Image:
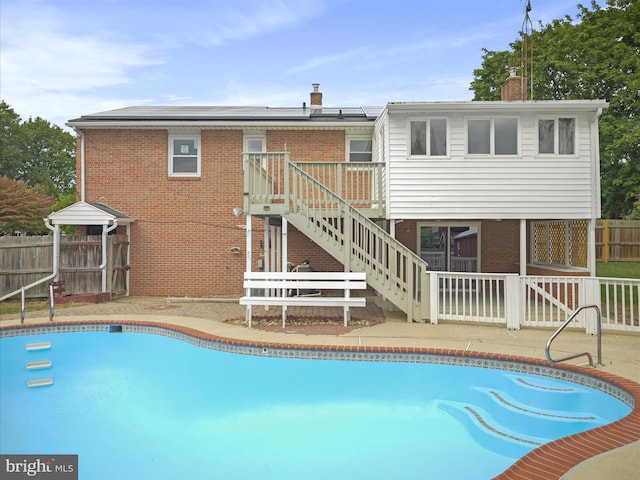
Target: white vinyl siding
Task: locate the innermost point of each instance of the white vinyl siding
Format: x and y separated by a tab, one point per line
490	186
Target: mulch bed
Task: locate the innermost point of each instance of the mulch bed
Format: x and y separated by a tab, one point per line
307	325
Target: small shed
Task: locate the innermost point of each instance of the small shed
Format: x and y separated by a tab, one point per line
92	214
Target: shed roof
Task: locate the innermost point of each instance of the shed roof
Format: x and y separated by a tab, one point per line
84	213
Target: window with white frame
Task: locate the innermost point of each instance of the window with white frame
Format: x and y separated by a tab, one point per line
428	137
557	136
255	143
492	136
359	149
184	155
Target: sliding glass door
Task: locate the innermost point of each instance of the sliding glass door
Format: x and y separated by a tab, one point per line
450	248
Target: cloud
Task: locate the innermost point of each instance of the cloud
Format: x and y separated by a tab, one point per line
39	53
45	62
218	23
323	61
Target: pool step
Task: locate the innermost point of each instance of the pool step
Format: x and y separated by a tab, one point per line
34	347
43	382
39	365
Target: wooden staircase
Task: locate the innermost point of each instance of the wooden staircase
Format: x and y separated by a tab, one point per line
339	226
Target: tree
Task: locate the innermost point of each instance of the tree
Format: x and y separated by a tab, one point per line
36	152
22	208
48	157
10	141
596	57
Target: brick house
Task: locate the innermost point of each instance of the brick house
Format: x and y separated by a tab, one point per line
515	182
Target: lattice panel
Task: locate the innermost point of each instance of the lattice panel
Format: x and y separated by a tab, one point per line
540	250
557	237
578	238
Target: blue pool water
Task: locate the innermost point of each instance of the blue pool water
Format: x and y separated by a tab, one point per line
141	406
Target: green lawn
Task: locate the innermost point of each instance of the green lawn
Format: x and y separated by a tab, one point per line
14	306
618	269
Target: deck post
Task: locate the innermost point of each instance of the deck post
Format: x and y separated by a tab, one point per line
512	299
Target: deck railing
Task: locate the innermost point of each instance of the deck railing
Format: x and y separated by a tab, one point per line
535	301
360	184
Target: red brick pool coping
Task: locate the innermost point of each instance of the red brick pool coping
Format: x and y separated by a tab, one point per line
547	462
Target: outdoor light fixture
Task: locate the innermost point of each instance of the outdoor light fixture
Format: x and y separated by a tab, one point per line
237	211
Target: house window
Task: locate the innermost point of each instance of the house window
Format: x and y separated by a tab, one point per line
492	136
428	137
557	136
359	149
184	156
255	143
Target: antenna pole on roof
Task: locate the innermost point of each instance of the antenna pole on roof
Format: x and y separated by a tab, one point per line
526	52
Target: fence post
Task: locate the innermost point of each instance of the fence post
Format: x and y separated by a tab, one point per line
512	299
425	292
605	241
434	299
589	294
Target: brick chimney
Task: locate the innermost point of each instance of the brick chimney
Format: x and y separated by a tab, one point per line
316	96
514	88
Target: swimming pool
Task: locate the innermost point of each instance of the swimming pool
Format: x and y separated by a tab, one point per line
204	413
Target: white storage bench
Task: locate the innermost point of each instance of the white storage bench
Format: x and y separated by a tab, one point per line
275	288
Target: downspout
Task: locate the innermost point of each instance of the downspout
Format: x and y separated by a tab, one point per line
103	265
82	164
56	259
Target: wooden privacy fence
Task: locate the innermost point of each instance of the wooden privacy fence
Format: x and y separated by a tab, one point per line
24	260
617	240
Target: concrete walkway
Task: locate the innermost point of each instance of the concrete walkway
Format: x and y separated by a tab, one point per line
620	351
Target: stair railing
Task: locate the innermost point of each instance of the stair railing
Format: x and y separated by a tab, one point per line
576	355
392	268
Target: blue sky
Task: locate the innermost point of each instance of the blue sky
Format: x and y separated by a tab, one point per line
64	58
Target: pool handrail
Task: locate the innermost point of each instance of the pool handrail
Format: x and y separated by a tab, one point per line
576	355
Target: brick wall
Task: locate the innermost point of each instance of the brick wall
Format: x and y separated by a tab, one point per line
185	228
500	244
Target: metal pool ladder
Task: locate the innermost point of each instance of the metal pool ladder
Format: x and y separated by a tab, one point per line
576	355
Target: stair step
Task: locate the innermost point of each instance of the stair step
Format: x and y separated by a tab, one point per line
43	382
33	347
39	365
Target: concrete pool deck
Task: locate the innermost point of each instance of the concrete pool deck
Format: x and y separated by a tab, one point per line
620	351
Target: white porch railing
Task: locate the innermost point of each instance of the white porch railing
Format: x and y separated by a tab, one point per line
536	301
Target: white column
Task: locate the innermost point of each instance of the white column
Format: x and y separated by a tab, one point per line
285	228
591	247
248	245
266	257
523	246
